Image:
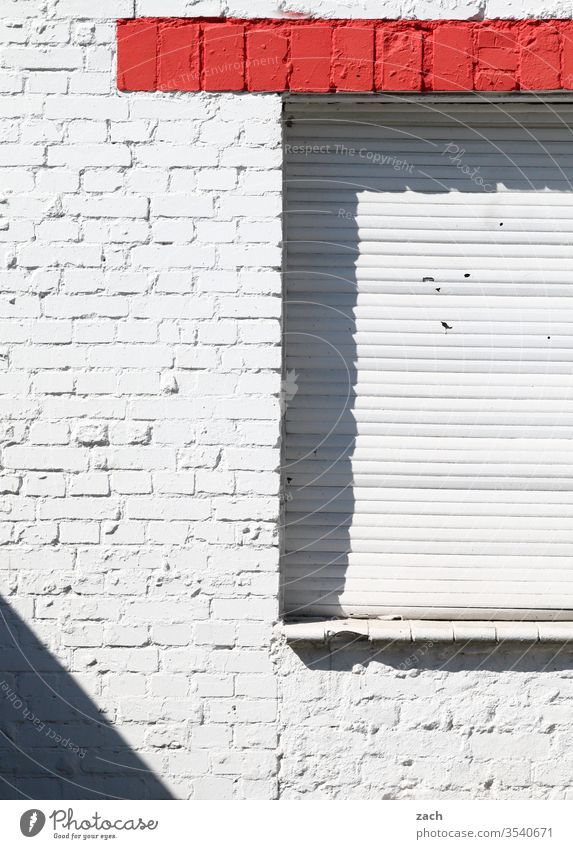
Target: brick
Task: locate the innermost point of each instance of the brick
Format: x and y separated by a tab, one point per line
168	533
90	108
27	106
107	206
132	433
53	383
253	509
512	745
79	508
171	635
250	764
92	434
167	508
252	458
267	50
174	483
497	60
123	533
498	48
213	788
242	662
79	533
86	634
130	356
81	156
49	433
135	458
117	660
495	80
13	83
175	205
172	610
34	58
221	634
311	47
452	60
240	609
540	62
128	684
211	736
10	484
256	710
16	154
95	483
398	58
104	8
566	28
54	459
215	482
136	55
253	737
223	57
178	56
174	256
215	685
189	763
353	58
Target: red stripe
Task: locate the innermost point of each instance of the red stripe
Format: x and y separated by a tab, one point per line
189	54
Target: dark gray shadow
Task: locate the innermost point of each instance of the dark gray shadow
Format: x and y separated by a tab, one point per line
319	428
55	743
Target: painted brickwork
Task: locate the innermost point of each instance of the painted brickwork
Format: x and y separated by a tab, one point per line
340	56
139	345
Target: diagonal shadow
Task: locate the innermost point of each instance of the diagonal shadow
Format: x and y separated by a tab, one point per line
54	740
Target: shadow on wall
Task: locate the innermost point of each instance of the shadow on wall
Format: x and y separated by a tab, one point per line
54	741
384	215
345	655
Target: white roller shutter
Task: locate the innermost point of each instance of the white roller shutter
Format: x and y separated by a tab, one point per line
428	451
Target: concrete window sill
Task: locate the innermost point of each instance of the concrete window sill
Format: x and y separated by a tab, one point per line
416	631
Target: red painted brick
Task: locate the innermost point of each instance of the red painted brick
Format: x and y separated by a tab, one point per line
224	57
497	59
497	49
398	59
310	57
267	51
353	58
179	59
567	54
495	81
137	54
539	68
328	55
452	60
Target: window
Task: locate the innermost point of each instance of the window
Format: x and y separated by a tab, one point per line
428	449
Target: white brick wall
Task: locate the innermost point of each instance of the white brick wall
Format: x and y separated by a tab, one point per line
140	307
139	382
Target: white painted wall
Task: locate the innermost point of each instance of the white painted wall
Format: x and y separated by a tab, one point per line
139	342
